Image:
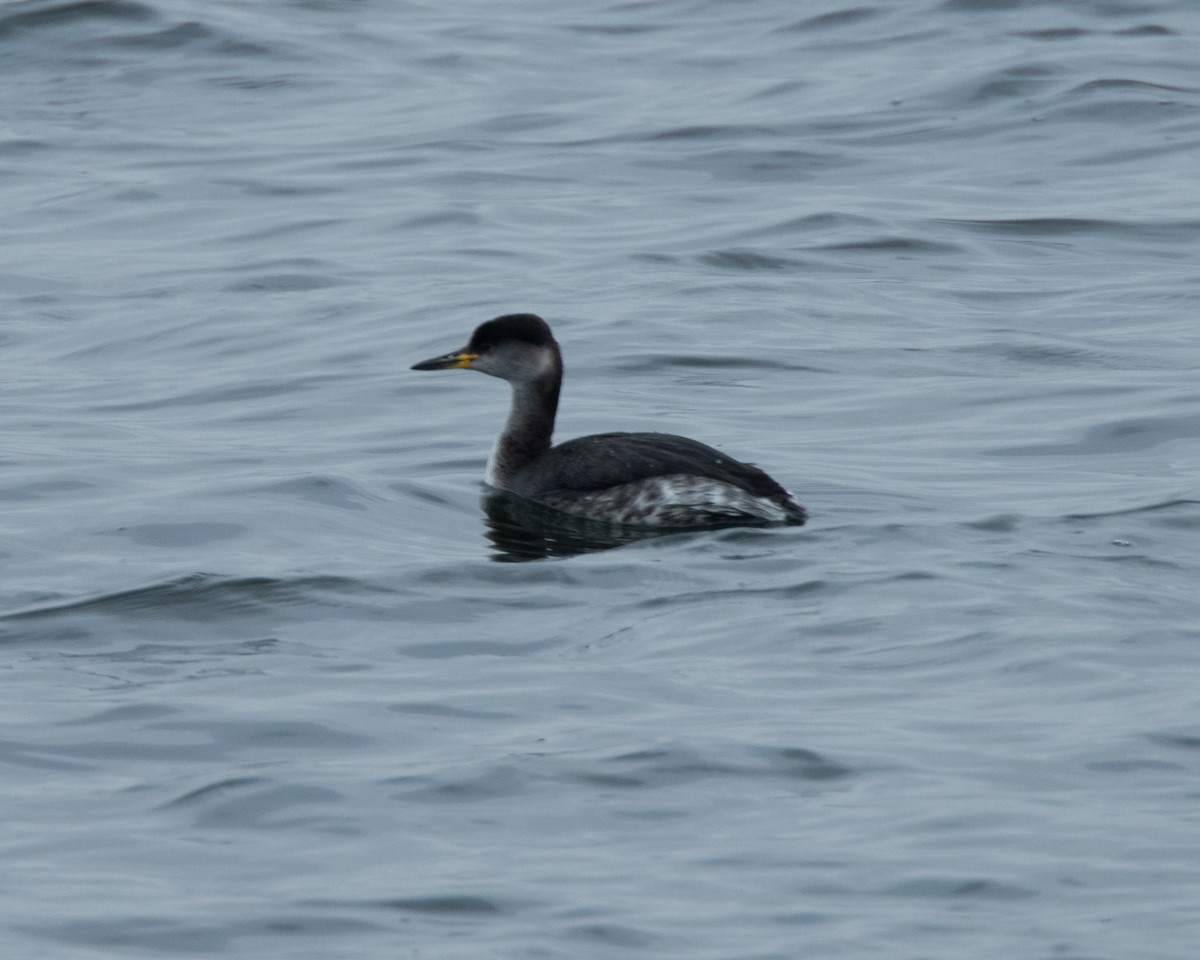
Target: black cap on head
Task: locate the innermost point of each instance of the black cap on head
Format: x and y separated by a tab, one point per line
526	327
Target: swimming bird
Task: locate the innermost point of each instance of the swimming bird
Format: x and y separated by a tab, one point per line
637	479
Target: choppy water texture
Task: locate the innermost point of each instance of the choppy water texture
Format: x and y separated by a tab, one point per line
277	684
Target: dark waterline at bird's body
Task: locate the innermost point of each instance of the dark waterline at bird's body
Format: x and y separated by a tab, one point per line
638	479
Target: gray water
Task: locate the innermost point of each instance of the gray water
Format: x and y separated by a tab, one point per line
277	686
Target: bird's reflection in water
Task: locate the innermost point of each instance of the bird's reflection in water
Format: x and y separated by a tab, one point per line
521	530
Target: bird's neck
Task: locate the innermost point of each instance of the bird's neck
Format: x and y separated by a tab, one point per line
526	434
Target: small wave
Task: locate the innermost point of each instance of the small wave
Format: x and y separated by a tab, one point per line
1119	437
1130	84
1129	511
195	596
442	905
837	18
105	24
285	283
894	245
1043	227
723	132
749	261
72	15
958	889
673	764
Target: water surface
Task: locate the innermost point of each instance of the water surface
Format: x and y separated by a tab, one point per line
278	686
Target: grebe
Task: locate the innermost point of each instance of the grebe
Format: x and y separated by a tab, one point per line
638	479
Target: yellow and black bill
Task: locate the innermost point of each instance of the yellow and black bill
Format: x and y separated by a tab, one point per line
459	360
